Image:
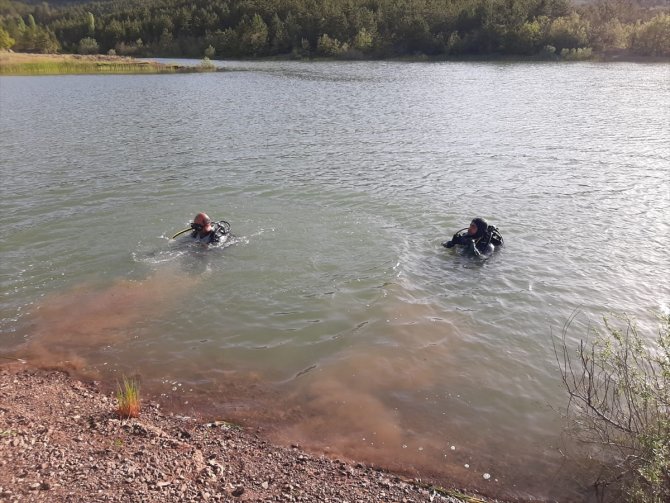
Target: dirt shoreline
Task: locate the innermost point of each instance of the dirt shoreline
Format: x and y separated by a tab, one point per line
61	441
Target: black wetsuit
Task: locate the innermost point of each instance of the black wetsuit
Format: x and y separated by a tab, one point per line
476	246
213	237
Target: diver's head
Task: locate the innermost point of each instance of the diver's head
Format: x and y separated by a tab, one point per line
202	223
477	227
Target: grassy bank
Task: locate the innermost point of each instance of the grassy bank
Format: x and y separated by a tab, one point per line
72	64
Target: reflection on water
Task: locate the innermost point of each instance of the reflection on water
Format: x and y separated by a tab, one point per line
335	318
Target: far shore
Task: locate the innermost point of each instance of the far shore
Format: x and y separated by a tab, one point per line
14	63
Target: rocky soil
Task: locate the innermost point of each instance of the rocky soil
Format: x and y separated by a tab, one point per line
60	440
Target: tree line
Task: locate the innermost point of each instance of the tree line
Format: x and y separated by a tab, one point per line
336	28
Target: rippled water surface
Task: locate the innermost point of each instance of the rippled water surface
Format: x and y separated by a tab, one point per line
334	318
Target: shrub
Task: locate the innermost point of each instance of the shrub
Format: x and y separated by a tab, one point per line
653	37
210	51
578	54
619	402
5	40
128	398
206	64
328	46
569	32
88	45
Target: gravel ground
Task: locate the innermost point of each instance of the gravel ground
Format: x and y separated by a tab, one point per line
61	441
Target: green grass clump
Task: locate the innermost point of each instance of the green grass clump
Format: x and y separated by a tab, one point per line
128	398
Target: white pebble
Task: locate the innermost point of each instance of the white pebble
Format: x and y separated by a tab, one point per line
486	476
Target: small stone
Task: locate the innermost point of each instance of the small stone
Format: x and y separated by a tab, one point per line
238	491
486	476
265	485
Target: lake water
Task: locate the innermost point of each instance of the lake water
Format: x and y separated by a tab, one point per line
334	319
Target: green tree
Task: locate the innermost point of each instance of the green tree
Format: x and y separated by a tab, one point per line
653	37
279	36
166	43
327	46
363	40
182	22
90	24
294	29
569	32
46	42
21	26
225	42
527	38
42	13
610	34
253	36
454	44
6	42
112	33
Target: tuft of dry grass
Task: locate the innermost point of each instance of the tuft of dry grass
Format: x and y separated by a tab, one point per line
128	398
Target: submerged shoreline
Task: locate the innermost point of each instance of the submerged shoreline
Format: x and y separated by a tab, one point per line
60	440
75	64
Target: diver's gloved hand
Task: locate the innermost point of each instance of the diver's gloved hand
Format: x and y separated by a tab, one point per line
448	244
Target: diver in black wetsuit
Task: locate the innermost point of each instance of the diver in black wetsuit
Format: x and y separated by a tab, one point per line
480	239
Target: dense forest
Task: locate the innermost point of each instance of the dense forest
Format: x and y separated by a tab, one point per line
352	29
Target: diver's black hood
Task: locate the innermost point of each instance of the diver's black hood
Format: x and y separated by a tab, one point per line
482	226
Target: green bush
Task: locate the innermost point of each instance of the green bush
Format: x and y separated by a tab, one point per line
619	403
653	37
569	32
88	45
6	41
210	51
328	46
578	54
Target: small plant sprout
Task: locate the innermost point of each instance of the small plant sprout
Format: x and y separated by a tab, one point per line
128	398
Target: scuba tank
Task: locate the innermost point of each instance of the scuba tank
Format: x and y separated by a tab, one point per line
493	236
222	228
